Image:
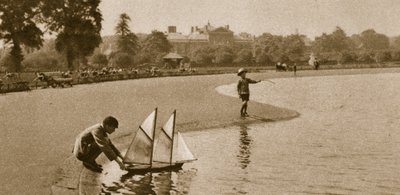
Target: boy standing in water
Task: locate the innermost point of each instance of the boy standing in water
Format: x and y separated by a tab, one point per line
243	90
93	141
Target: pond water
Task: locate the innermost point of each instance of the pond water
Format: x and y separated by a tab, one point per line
346	141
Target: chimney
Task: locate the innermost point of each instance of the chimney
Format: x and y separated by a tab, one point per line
171	29
192	29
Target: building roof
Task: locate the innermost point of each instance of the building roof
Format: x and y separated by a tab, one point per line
198	36
240	38
172	56
176	36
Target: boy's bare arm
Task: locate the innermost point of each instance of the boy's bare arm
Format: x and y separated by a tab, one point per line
253	81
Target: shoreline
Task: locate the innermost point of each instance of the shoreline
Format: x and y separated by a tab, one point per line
212	110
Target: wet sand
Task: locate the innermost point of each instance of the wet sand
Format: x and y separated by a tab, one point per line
39	127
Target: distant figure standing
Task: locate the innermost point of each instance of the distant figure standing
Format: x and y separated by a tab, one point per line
294	69
243	90
316	64
93	141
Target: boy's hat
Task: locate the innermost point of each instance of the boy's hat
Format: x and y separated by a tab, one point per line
240	71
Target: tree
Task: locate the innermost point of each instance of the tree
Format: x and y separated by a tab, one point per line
203	55
78	23
356	42
294	47
347	56
396	43
122	60
223	55
382	56
262	58
6	62
155	46
374	41
127	41
244	56
99	60
18	26
335	44
274	48
270	45
395	55
366	56
337	41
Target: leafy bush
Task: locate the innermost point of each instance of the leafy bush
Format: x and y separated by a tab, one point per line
365	56
122	60
42	61
99	60
203	55
6	63
382	56
347	57
263	59
224	58
244	56
395	55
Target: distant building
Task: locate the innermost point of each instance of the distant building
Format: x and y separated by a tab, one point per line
207	35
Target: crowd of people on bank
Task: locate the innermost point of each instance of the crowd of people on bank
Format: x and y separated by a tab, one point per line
284	67
88	72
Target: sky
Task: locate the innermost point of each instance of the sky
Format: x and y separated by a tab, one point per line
279	17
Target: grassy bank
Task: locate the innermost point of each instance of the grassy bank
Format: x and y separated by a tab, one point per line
25	80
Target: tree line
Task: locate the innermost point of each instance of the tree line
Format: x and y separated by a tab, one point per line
76	26
330	48
367	47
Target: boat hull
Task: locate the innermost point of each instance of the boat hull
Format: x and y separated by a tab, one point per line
155	167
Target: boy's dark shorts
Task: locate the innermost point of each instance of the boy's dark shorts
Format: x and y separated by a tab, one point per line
245	97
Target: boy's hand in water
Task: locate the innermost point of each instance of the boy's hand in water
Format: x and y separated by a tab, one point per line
121	164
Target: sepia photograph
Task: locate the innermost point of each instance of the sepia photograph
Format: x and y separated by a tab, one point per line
199	97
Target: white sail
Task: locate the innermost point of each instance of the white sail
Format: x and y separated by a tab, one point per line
148	124
154	149
169	126
163	144
140	150
181	151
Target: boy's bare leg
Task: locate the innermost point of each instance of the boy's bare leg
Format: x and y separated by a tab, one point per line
243	110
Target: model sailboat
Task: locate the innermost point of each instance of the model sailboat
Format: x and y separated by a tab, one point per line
149	152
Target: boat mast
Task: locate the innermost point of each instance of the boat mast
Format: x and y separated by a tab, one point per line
173	133
152	143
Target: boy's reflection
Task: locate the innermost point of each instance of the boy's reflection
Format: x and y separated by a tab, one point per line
142	184
244	147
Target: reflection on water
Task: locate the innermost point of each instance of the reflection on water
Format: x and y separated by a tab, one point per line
244	147
166	182
346	141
